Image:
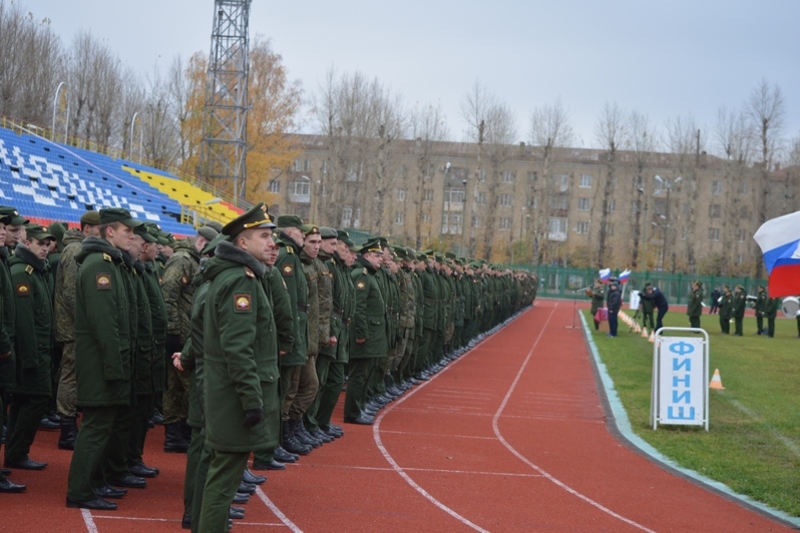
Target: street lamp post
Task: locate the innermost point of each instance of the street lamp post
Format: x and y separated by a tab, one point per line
141	136
55	107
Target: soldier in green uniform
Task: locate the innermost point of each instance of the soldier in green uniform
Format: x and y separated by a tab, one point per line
771	311
178	290
103	343
760	308
30	276
369	331
694	308
291	269
726	310
407	322
739	306
240	362
598	295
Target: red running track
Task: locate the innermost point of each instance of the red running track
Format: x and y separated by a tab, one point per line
510	437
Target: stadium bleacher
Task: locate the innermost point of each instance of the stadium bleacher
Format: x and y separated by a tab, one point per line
48	181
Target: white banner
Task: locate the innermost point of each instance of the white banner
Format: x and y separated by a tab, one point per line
634	300
681	381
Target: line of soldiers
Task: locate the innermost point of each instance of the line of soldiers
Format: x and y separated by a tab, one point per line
732	306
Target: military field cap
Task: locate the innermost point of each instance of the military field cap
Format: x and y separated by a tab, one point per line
154	230
698	283
118	214
144	232
215	224
400	252
373	245
212	244
411	253
310	229
439	257
427	252
253	218
353	247
35	231
347	240
740	287
5	219
328	233
91	217
342	234
382	240
57	230
208	232
169	237
289	221
422	256
450	255
396	258
15	219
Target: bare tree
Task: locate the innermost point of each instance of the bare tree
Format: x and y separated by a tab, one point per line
549	129
427	127
643	143
767	113
610	132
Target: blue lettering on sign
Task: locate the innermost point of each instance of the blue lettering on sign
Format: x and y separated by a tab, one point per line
678	364
685	397
681	348
686	380
681	413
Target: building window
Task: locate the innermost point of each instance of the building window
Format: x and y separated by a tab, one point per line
481	198
325	166
302	165
582	228
476	222
612	206
740	259
482	174
455	196
451	224
301	187
505	200
713	234
505	223
274	186
659	187
583	204
400	195
609	229
507	176
683	233
427	195
347	216
716	187
357	221
426	218
399	218
741	235
558	229
743	187
586	180
559	202
533	175
714	211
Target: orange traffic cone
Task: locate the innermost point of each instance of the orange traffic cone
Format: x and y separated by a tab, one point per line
637	328
644	333
652	337
716	381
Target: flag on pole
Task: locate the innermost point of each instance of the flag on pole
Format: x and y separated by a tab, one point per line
779	239
624	275
605	274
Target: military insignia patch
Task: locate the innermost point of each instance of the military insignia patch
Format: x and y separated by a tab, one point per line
23	289
103	281
241	303
288	270
107	257
185	279
248	272
360	285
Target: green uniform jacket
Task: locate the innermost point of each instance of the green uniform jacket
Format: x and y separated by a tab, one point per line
291	269
430	290
275	288
392	298
338	302
34	310
598	300
143	358
312	314
241	353
739	304
419	307
66	277
726	307
192	353
158	317
325	295
346	306
103	335
370	312
694	308
408	300
761	303
771	307
9	318
177	287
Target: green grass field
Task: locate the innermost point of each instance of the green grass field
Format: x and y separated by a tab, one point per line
753	442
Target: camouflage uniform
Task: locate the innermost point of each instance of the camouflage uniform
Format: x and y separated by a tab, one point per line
308	381
324	353
407	322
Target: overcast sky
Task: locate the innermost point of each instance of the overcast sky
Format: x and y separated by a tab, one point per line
662	59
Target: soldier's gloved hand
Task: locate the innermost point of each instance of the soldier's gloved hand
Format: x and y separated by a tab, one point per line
252	417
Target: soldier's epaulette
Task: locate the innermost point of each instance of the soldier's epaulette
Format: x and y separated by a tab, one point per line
107	257
249	273
29	270
364	271
289	250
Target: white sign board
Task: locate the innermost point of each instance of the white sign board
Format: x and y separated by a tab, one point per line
680	379
634	300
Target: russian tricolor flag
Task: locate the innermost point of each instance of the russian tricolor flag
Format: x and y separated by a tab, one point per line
605	274
779	240
624	275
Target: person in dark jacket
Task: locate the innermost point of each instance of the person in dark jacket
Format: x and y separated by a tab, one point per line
694	309
715	296
613	302
660	301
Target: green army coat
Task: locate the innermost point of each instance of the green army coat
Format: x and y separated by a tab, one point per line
325	295
241	353
726	307
445	316
346	308
66	277
143	358
430	290
694	308
369	318
9	317
599	297
312	315
281	308
761	303
771	307
392	297
338	302
34	322
739	304
158	318
177	287
408	301
103	336
192	353
291	269
419	307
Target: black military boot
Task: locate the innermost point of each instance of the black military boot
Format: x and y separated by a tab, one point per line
69	431
173	440
290	443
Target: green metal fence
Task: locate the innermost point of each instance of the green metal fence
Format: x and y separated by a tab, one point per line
557	282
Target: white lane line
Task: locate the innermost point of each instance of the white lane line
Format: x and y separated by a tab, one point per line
418	434
528	462
427	470
91	527
376	434
274	508
137	518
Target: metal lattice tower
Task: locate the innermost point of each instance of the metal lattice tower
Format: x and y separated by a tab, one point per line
223	151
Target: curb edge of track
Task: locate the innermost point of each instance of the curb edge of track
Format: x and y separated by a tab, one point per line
619	425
